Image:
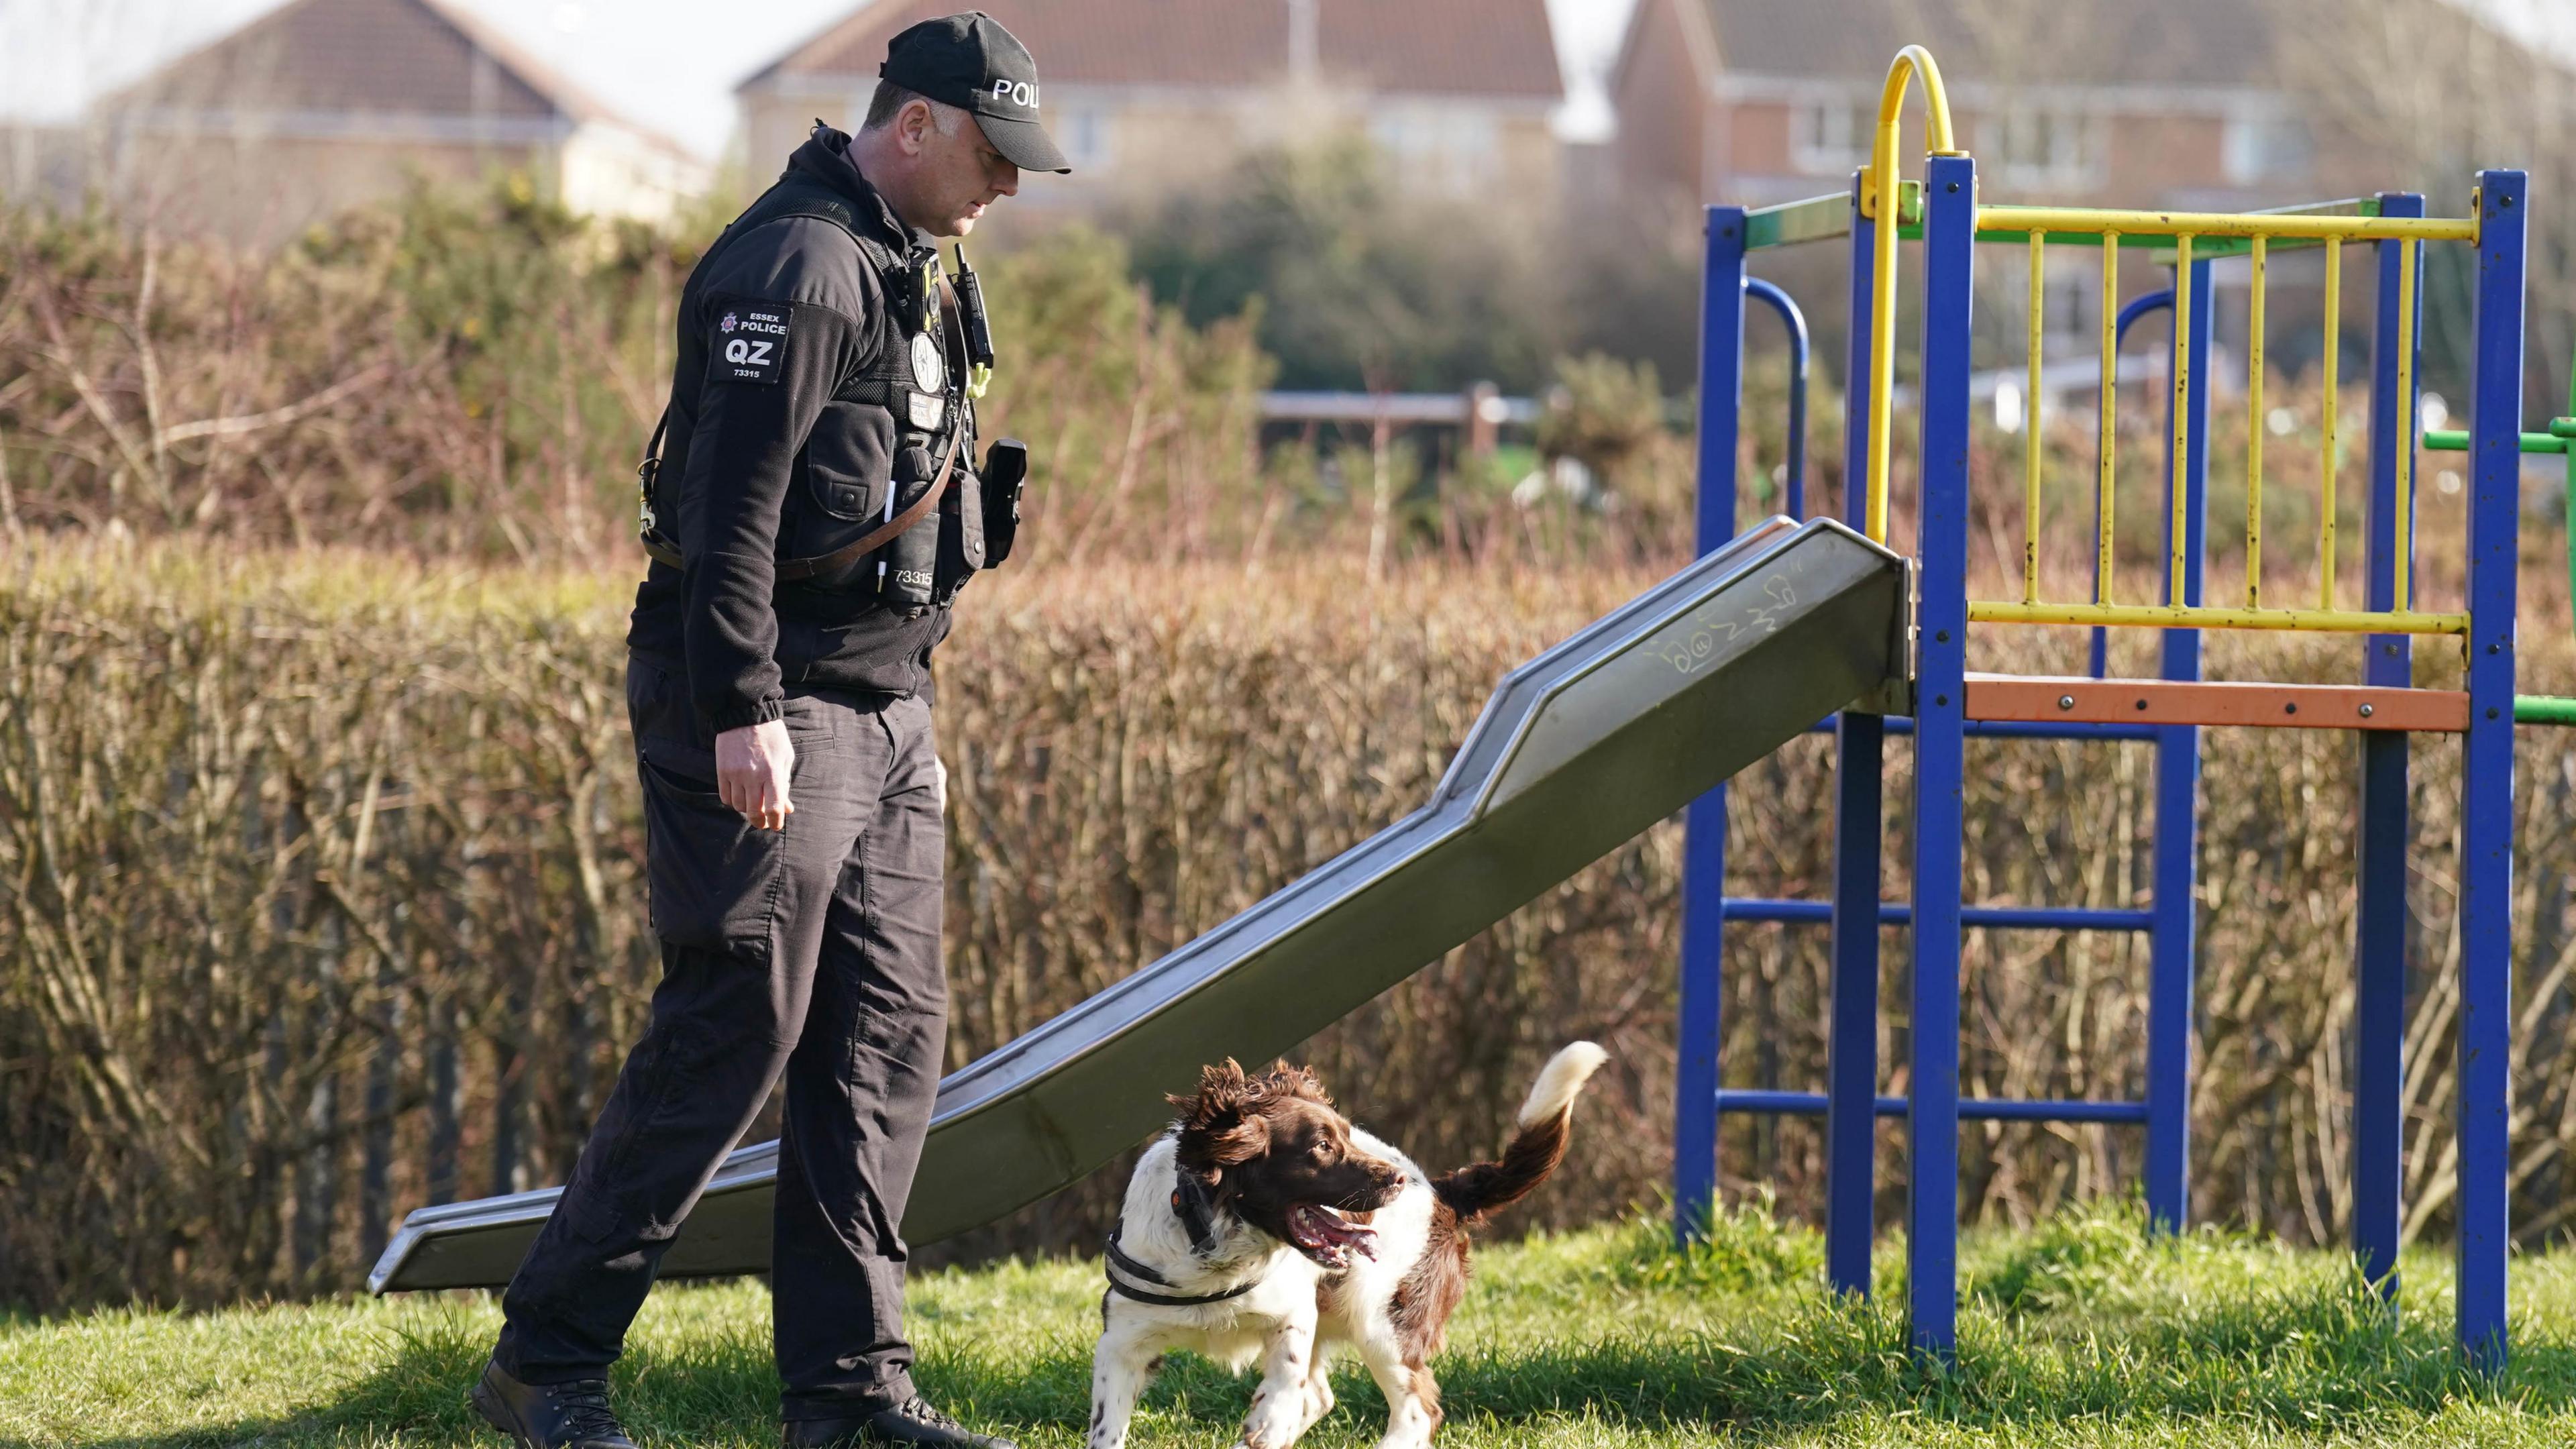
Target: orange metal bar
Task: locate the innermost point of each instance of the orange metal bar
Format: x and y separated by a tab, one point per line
2085	700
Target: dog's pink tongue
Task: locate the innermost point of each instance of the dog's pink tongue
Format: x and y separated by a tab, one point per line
1353	1235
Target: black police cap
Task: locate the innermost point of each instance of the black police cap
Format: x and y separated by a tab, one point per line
969	61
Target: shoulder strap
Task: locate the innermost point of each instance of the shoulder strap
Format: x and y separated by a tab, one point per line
647	474
791	570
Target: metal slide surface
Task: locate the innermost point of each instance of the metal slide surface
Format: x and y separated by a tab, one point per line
1578	750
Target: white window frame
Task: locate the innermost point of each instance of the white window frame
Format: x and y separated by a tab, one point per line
2266	143
1450	149
1830	133
2070	142
1086	129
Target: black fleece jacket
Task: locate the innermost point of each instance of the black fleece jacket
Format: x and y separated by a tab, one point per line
774	326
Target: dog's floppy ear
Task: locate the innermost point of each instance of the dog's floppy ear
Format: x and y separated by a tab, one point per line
1224	1124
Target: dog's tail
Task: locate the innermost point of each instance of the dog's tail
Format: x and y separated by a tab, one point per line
1538	1140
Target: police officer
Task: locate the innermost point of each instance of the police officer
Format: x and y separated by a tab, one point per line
815	508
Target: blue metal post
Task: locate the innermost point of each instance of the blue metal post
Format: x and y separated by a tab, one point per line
1721	400
1932	1122
2098	651
2379	920
1851	1050
2486	805
1794	466
2170	951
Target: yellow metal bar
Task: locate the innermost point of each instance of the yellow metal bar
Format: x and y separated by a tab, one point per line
2334	344
2110	391
2254	429
2030	429
2179	526
2086	221
2401	593
1910	62
2159	616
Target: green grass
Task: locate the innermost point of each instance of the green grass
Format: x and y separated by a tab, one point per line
2077	1333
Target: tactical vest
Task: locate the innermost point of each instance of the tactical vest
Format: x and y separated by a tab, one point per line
915	537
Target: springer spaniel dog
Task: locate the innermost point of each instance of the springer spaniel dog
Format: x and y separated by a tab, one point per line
1264	1226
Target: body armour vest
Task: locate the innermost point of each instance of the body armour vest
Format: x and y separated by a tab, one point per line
914	372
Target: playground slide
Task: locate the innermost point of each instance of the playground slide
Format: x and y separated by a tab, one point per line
1577	751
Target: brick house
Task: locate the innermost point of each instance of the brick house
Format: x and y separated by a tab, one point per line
1149	95
2182	103
322	104
2185	104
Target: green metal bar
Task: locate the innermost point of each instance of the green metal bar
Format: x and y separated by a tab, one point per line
2455	441
2543	709
1820	218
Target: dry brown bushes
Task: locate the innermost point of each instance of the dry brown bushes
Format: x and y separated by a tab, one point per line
318	900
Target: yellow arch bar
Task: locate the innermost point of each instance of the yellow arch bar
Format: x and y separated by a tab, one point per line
1910	62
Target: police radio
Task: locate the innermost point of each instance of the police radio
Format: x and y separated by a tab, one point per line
979	328
1005	475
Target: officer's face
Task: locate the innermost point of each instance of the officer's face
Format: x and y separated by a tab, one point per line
959	175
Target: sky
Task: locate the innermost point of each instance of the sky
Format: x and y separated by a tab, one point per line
670	64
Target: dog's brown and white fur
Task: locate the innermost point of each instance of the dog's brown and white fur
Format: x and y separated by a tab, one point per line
1347	1244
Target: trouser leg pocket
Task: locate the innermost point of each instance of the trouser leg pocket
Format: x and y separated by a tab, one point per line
713	879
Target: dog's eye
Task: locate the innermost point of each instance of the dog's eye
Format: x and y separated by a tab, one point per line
1324	1152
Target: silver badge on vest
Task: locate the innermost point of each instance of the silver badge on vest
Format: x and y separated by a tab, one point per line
929	369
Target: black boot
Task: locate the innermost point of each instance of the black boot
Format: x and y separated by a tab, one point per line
911	1422
549	1416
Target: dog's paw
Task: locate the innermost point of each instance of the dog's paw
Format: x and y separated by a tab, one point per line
1277	1419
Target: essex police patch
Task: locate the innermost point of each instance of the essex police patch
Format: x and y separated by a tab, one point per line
749	340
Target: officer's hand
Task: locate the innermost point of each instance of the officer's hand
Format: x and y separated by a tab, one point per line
751	772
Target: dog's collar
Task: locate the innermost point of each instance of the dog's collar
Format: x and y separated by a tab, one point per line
1121	1262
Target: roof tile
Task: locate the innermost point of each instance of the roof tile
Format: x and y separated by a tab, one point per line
1461	47
2005	42
380	56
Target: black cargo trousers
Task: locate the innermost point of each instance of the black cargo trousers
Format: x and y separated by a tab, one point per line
813	950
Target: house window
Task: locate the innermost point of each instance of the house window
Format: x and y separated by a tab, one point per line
1452	150
2260	147
2045	147
1830	136
2075	305
1085	137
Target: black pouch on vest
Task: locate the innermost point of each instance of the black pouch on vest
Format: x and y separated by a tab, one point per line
1004	475
911	562
961	534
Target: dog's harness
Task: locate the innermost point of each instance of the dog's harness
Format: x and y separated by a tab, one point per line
1198	1219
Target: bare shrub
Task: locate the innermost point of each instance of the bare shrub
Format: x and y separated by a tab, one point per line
319	900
